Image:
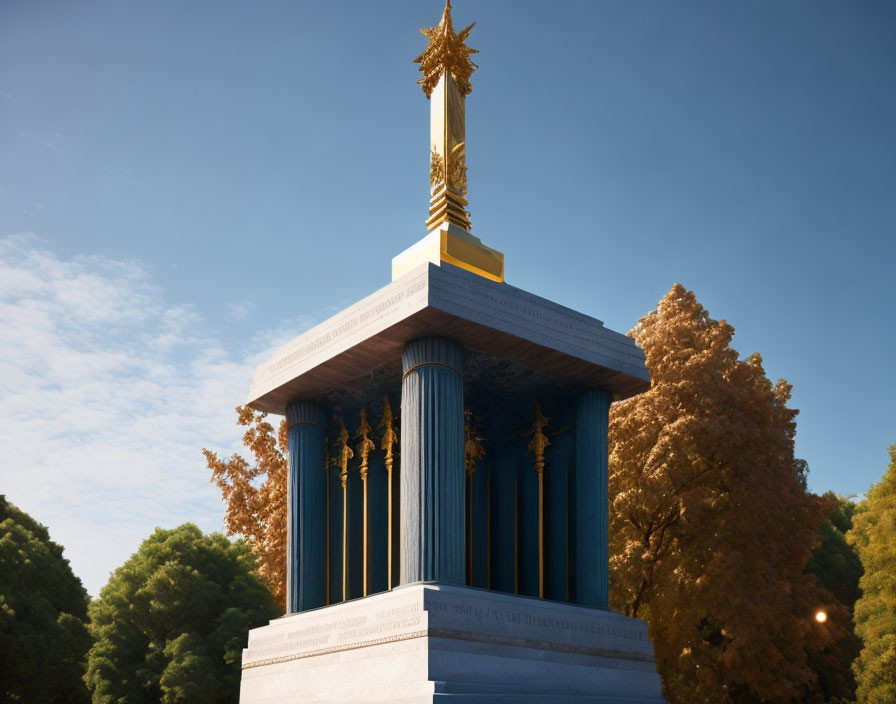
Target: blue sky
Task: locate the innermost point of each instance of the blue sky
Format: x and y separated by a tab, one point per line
184	186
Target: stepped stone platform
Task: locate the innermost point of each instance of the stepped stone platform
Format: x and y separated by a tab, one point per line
431	642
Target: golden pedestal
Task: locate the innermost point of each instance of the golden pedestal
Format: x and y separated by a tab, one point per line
449	243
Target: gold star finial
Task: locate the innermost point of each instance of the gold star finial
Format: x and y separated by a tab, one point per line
447	51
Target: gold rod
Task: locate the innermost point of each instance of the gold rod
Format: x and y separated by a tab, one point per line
537	447
516	535
327	471
365	536
470	530
541	534
345	542
389	528
473	451
567	533
345	454
364	449
488	528
389	438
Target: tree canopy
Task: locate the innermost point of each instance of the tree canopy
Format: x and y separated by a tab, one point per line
835	562
711	523
837	567
255	495
171	623
43	610
874	535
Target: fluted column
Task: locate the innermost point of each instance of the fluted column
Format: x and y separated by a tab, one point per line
591	553
432	462
306	552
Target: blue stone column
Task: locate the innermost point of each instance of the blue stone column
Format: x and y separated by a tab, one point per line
591	549
432	462
306	551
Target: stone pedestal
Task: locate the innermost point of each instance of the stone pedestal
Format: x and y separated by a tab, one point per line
429	642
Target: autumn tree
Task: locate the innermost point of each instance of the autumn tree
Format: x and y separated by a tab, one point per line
874	535
255	495
711	523
43	614
170	625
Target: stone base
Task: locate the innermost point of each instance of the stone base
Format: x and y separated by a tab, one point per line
430	642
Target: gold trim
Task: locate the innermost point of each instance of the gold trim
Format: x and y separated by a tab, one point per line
455	634
429	364
387	440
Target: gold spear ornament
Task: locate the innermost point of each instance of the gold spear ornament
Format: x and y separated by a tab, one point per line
446	67
344	454
387	440
537	447
365	446
473	452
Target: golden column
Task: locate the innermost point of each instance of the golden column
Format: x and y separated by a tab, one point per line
446	68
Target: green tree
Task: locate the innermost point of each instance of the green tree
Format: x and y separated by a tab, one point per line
874	535
171	623
43	614
835	562
836	565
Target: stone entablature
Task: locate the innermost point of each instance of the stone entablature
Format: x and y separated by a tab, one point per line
486	316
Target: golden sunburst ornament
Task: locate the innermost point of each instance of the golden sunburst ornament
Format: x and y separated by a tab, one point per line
447	51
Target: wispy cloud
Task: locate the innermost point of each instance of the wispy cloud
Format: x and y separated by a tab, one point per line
240	311
107	394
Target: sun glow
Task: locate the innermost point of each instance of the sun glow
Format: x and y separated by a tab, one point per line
821	616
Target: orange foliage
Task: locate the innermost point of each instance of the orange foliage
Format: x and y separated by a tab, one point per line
711	524
255	495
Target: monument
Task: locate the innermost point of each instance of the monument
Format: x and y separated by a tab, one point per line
447	527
